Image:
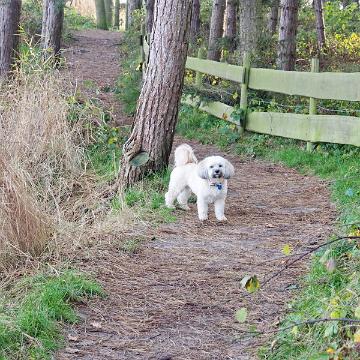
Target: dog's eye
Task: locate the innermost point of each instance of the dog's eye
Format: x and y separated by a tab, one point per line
211	166
220	165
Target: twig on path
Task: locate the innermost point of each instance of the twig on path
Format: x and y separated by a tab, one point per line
277	273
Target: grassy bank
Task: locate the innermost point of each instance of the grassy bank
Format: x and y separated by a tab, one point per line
327	291
31	314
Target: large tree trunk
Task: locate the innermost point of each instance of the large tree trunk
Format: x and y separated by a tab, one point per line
9	26
149	15
320	26
157	112
52	25
287	34
273	16
216	29
117	14
250	25
230	20
109	12
195	22
100	15
132	6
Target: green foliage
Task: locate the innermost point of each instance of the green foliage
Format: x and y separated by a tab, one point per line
147	198
29	318
129	81
74	21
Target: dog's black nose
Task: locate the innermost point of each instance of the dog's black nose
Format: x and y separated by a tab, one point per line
217	171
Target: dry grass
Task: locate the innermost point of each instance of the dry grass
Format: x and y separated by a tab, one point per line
41	161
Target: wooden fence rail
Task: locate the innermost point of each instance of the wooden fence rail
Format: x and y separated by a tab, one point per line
314	85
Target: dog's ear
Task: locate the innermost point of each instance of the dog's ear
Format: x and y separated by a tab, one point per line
203	170
229	170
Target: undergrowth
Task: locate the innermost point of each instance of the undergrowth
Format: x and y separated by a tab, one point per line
326	292
31	314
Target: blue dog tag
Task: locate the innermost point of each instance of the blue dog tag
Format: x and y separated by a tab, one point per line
219	186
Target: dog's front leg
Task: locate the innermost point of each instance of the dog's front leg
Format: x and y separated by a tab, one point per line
203	207
219	209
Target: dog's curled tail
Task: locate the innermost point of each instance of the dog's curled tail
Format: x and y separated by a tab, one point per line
184	154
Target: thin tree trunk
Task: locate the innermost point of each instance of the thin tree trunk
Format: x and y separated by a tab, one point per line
149	15
230	20
53	19
250	25
320	26
117	14
9	26
216	29
273	16
100	15
195	22
157	112
287	34
109	12
132	6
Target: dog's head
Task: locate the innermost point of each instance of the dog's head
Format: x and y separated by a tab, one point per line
215	167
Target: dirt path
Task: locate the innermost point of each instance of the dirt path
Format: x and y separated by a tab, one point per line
177	297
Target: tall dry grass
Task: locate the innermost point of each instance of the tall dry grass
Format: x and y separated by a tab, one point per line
41	160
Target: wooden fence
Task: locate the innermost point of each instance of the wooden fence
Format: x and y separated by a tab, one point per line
310	127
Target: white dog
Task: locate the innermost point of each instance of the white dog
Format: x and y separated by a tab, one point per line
206	179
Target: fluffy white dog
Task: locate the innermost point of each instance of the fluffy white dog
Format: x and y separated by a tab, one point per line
206	179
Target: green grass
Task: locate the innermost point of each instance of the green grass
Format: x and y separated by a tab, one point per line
31	315
324	293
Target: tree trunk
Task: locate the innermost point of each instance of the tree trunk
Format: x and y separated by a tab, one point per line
273	16
117	14
157	111
216	29
320	26
250	25
52	25
132	6
230	20
287	34
195	22
9	26
109	12
149	15
100	15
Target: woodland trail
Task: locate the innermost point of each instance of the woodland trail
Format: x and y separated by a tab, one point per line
176	298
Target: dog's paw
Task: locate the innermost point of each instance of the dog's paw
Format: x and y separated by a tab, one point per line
170	206
184	207
222	218
203	217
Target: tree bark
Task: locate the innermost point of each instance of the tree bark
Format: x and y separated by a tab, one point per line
52	25
250	25
287	34
273	16
158	105
320	25
195	22
117	14
9	26
149	15
230	20
100	15
109	12
132	6
216	29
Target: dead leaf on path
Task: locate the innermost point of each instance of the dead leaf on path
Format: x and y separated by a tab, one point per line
96	325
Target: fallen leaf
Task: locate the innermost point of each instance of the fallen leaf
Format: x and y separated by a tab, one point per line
241	315
331	265
96	325
250	283
287	250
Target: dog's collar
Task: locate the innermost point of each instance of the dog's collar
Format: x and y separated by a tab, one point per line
218	185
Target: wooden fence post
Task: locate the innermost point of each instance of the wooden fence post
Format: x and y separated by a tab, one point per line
313	102
199	75
244	92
